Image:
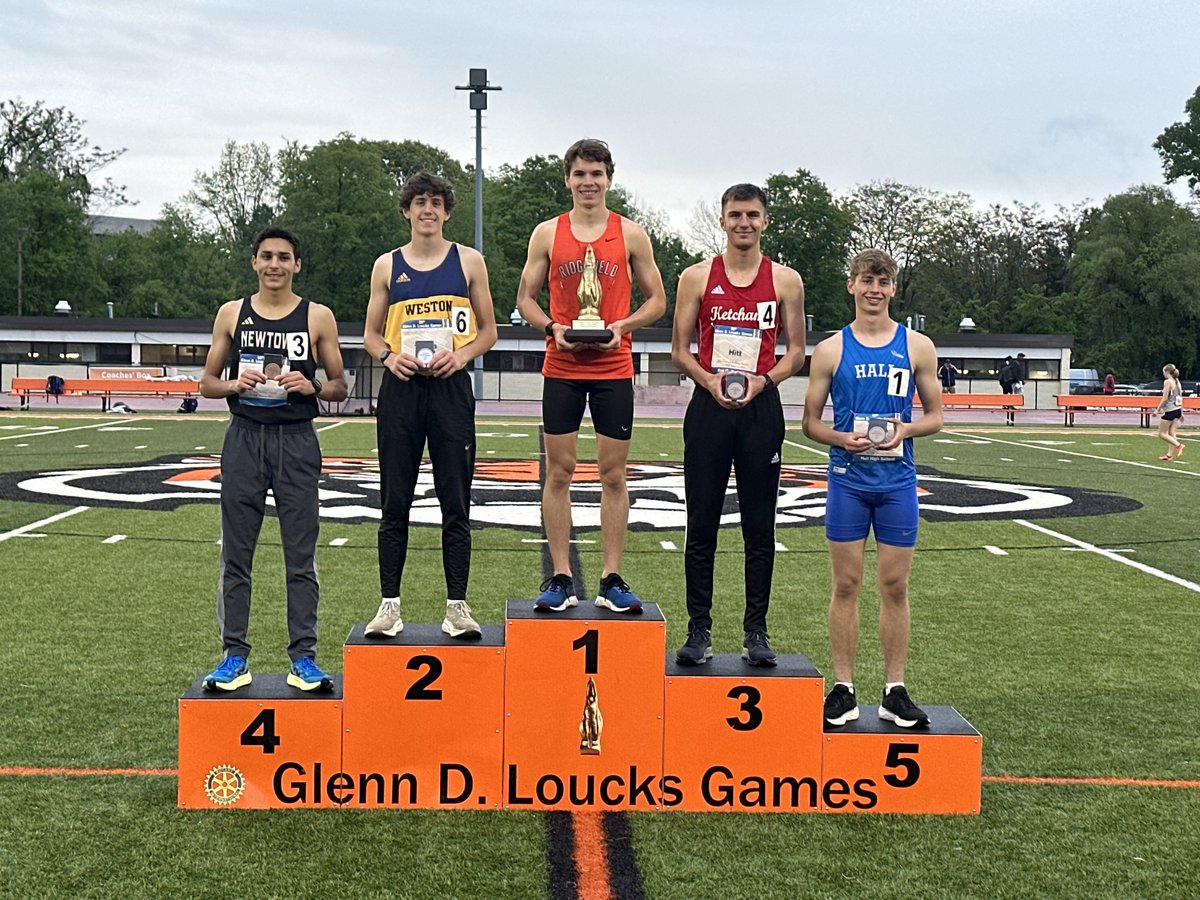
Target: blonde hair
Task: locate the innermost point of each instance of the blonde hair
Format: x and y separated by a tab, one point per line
1169	371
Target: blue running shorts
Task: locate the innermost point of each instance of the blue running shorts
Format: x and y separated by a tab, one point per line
850	513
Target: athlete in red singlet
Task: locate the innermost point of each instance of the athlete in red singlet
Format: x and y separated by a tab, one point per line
737	304
597	375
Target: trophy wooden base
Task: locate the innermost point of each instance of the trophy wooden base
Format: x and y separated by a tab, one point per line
575	335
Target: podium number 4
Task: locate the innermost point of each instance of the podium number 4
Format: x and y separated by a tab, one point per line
261	732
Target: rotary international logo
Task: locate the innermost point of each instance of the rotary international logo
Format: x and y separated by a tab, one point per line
224	785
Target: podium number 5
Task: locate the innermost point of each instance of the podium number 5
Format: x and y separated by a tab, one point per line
589	643
897	759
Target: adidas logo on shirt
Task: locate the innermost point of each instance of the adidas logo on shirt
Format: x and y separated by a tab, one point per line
403	278
718	291
249	320
775	458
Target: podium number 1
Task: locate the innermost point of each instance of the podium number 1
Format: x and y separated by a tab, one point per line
589	643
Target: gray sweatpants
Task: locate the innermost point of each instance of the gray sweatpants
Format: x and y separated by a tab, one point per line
287	460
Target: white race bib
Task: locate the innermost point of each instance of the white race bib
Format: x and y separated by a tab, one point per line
735	349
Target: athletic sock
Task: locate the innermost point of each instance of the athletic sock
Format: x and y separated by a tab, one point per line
888	685
848	685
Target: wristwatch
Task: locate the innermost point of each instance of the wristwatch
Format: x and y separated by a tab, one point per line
384	355
768	384
550	328
316	386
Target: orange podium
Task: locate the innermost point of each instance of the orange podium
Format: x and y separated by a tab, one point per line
264	746
874	766
743	739
424	718
584	708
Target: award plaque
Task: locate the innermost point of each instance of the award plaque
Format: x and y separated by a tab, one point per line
877	430
589	328
734	385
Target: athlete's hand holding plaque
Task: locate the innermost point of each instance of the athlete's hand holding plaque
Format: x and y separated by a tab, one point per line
589	328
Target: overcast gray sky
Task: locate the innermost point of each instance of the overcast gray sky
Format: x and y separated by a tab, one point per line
1052	102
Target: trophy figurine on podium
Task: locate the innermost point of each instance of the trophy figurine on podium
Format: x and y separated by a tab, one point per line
589	328
591	724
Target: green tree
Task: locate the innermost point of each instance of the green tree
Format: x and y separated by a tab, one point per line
515	200
1179	146
39	138
1132	276
240	195
341	201
811	233
57	253
180	271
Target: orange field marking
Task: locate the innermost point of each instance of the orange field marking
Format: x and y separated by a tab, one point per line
26	771
591	856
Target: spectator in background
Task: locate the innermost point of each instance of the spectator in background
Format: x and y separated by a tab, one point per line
1171	410
1110	382
948	374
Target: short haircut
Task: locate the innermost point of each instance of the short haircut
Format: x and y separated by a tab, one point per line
590	149
427	183
744	192
283	234
875	261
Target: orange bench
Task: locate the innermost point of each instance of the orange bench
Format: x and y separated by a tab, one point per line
105	388
1144	405
1008	402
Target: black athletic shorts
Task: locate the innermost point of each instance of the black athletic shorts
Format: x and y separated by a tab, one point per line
1172	415
610	401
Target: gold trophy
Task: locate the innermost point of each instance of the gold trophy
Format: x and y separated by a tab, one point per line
591	724
589	328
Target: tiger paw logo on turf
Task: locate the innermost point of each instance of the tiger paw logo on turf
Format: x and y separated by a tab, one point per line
224	785
508	493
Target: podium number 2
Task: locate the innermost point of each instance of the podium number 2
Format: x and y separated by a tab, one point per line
750	697
589	643
421	689
261	732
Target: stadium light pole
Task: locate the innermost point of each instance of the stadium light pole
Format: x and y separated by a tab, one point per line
477	84
21	232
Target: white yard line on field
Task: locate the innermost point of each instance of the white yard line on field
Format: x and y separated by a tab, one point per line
1060	450
332	425
9	437
1114	556
17	532
824	453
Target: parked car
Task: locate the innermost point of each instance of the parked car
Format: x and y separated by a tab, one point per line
1084	381
1154	388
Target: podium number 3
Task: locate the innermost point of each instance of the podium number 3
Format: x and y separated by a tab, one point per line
750	698
589	643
